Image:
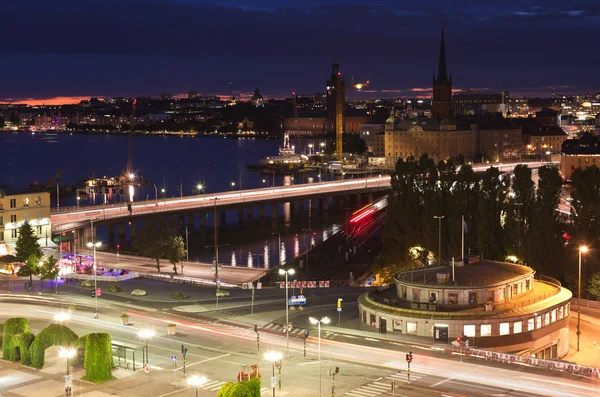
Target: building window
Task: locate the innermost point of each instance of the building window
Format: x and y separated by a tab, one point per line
1	221
530	324
13	233
26	202
416	294
39	230
13	218
13	203
517	327
38	215
527	284
538	322
411	328
453	298
567	309
472	298
547	319
515	289
469	330
38	200
490	296
486	330
561	312
553	315
504	328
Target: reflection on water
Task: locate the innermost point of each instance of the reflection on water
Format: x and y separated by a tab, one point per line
296	246
233	261
250	263
266	254
287	215
282	254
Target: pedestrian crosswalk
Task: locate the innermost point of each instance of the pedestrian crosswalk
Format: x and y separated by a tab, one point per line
382	385
279	328
215	385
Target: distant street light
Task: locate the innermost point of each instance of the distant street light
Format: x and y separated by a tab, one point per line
146	334
196	381
163	191
78	200
273	357
324	320
582	249
287	307
200	188
131	176
61	317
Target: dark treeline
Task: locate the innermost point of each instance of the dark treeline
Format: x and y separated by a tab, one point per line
505	215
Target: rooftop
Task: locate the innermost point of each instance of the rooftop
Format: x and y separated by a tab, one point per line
477	274
12	190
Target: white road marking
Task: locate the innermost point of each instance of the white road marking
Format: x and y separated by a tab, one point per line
455	376
203	361
561	383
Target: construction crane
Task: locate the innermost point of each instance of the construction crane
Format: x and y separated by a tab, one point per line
54	179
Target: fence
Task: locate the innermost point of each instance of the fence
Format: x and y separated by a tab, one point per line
581	370
586	303
114	279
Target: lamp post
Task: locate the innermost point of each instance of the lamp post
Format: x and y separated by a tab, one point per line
155	193
200	188
273	357
439	218
94	245
68	353
324	320
306	248
196	381
287	308
582	249
163	191
146	334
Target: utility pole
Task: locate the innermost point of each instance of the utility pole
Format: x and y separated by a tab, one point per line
439	218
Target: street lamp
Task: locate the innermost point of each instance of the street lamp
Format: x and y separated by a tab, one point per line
68	353
163	191
95	245
439	218
196	381
273	357
324	320
200	187
61	317
232	185
78	200
582	249
146	334
287	308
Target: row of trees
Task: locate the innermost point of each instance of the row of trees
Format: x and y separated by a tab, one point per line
504	216
159	240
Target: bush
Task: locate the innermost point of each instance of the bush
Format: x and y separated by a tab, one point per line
241	390
114	288
12	326
98	362
87	284
178	295
23	342
225	389
79	345
222	293
124	315
254	386
53	335
138	292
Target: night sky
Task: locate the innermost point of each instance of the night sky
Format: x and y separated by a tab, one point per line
72	48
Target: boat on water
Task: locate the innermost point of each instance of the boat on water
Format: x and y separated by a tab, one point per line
287	149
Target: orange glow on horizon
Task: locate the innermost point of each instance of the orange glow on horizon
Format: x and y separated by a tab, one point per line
59	100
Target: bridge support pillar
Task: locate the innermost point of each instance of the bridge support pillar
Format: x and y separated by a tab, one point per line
133	231
121	233
292	208
274	211
370	197
301	207
240	215
77	240
223	218
190	222
111	235
325	203
250	213
261	212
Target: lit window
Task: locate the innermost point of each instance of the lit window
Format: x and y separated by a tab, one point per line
566	309
38	200
504	328
553	315
13	233
486	329
561	312
547	319
26	202
411	328
538	322
518	327
469	330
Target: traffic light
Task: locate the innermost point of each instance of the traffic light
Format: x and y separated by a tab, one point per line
185	352
409	357
306	333
255	328
337	370
458	339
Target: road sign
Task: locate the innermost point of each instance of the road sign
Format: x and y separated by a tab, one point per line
98	291
68	380
146	368
339	309
273	382
174	358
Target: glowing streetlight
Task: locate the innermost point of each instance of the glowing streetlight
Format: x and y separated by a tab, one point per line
200	187
287	307
146	334
68	353
61	317
131	176
95	245
582	250
274	357
324	320
196	381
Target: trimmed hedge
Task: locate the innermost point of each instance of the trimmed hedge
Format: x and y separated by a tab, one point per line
115	288
53	335
87	284
178	295
12	326
98	362
23	342
241	389
1	332
79	345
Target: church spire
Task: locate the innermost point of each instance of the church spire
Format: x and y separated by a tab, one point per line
442	68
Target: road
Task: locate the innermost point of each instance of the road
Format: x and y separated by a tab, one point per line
217	350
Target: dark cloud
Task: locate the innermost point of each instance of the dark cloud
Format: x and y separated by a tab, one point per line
126	47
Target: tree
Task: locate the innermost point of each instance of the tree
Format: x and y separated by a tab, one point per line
492	195
27	244
30	268
49	270
175	251
594	285
519	211
151	241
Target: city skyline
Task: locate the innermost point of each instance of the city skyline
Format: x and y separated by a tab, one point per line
282	47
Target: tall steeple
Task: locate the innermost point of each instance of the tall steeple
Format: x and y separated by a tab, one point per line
442	67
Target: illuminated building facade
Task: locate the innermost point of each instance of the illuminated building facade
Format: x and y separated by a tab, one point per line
18	206
579	154
442	87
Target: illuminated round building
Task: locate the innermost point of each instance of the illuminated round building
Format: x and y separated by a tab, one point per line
494	305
